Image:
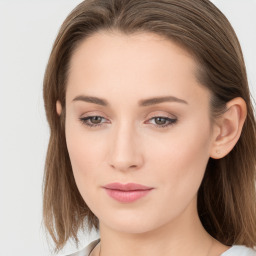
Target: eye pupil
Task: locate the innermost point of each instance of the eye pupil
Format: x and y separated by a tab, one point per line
160	120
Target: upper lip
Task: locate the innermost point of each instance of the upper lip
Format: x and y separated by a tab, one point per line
126	187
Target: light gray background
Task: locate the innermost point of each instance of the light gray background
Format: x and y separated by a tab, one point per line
27	32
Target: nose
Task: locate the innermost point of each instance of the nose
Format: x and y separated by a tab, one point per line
125	151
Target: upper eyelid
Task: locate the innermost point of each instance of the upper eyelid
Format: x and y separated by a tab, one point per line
149	118
167	115
154	114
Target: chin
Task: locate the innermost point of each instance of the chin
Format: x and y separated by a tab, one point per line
134	223
131	227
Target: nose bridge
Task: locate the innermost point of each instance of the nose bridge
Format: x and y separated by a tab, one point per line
124	150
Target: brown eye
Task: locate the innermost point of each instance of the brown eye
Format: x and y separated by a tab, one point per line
160	120
96	119
92	121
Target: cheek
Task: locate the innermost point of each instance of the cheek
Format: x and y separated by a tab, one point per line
84	155
85	162
182	159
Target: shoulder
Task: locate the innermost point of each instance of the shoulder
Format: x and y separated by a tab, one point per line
239	250
87	250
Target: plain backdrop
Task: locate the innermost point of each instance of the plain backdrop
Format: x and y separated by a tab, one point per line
27	32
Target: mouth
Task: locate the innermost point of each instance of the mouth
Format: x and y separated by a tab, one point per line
126	193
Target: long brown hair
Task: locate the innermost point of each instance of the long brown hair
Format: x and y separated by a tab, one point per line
227	196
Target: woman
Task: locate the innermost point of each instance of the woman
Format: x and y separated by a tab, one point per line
152	131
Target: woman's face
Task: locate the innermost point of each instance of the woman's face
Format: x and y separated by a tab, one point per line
163	144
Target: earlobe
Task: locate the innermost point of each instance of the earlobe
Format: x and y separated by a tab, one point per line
229	127
58	107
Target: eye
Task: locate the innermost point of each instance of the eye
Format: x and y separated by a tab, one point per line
162	122
92	121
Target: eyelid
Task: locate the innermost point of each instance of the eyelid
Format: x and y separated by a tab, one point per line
93	113
160	114
146	116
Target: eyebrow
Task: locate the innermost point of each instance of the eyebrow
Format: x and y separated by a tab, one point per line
141	103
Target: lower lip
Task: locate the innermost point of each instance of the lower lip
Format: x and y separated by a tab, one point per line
127	196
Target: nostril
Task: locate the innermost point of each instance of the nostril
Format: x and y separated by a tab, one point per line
123	166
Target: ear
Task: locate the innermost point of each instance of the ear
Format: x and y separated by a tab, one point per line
58	107
228	128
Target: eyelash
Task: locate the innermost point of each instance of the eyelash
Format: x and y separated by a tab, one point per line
170	120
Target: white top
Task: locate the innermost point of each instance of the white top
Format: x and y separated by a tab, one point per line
235	250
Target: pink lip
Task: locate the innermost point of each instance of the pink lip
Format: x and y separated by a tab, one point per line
126	192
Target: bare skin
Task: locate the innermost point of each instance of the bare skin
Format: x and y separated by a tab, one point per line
130	145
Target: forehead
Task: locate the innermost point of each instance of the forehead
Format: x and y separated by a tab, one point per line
144	63
116	47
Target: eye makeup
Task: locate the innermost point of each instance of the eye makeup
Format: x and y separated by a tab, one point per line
164	121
